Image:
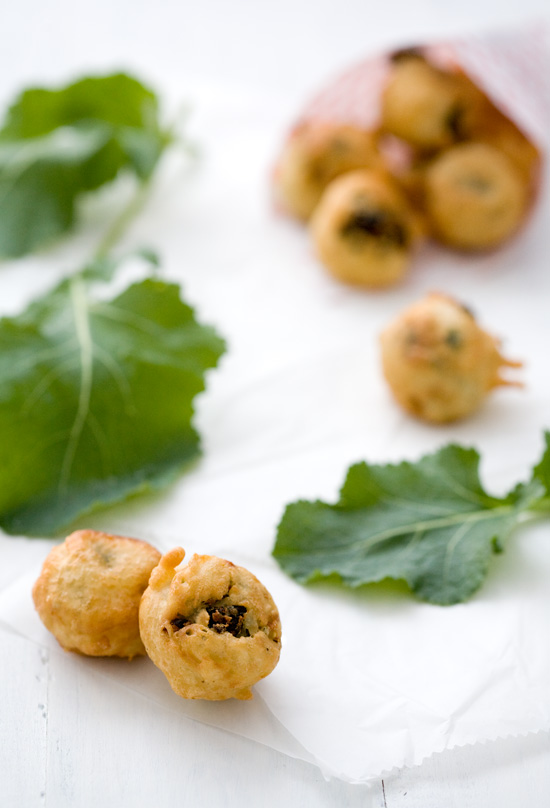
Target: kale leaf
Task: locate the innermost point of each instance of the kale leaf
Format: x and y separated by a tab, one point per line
429	523
96	399
58	144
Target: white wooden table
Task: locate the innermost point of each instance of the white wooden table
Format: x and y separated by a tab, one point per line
69	737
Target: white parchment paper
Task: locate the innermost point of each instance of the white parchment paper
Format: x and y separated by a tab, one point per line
372	679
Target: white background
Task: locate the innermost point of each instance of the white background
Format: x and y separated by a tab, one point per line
68	736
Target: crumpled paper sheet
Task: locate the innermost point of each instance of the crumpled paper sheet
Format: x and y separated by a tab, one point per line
367	680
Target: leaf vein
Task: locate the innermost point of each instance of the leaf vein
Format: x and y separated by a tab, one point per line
119	377
430	525
84	337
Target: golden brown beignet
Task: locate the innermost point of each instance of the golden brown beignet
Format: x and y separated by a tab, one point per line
439	363
89	591
428	107
314	155
364	230
475	197
210	626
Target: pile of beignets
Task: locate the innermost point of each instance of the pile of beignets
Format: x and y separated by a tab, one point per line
465	177
210	626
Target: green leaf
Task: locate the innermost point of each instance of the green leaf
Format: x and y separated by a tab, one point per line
96	400
541	471
430	523
58	144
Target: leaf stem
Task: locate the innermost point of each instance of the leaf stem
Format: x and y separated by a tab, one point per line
541	505
125	218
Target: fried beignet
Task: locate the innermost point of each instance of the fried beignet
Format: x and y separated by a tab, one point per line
364	230
210	626
314	155
475	198
89	591
428	107
439	363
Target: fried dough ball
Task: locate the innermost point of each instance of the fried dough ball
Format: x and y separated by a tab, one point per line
364	230
211	627
428	107
89	591
314	155
439	363
475	197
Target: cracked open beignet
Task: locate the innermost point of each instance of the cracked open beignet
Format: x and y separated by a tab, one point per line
364	230
210	626
89	591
